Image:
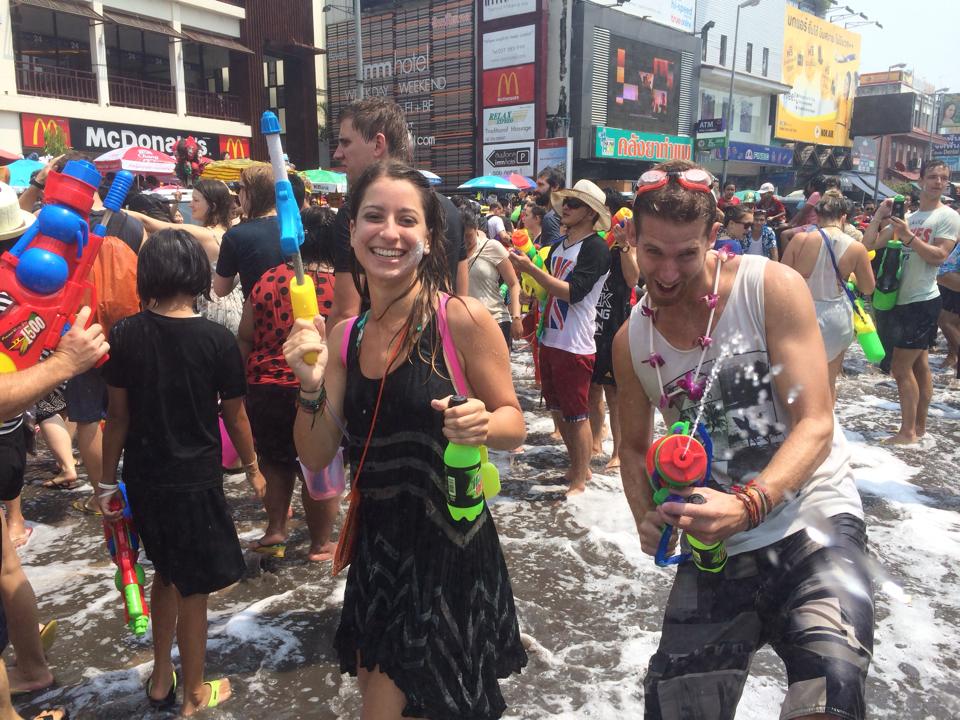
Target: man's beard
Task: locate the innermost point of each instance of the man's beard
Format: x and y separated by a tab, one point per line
543	200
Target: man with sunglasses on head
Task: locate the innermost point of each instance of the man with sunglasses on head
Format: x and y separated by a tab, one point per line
734	341
573	275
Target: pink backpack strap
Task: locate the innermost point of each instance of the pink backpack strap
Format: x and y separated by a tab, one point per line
345	343
449	351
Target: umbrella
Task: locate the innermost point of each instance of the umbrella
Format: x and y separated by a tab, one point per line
21	170
747	195
327	179
7	157
144	161
488	182
227	170
523	183
433	178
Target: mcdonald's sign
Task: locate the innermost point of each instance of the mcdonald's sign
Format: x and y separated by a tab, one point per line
508	86
234	147
34	129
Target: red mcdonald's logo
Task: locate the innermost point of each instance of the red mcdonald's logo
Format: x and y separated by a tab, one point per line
234	147
508	86
34	129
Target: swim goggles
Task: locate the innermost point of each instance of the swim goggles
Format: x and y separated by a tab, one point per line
696	179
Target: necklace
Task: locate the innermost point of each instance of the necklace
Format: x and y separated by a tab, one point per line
689	383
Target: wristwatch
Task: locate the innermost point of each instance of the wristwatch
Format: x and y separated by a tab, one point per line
38	185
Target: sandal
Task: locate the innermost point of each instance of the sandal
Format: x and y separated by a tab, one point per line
214	692
53	714
277	550
62	484
48	633
164	703
86	507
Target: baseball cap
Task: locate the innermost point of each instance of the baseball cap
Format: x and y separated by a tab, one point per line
767	188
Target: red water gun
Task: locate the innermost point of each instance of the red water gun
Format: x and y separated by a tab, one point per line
124	546
45	276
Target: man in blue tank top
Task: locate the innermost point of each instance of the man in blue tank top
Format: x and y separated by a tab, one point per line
732	344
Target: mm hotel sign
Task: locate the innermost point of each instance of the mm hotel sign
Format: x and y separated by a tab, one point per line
508	86
620	144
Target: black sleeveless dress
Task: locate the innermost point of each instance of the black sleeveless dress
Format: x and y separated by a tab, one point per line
428	599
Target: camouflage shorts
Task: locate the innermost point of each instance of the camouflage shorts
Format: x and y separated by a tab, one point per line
812	604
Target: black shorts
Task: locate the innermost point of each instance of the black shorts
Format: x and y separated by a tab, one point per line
13	462
786	595
951	300
272	410
910	327
86	396
603	364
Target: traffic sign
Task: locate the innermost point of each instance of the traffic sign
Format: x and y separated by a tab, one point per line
508	157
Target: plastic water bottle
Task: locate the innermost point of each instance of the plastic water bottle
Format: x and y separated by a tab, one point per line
464	483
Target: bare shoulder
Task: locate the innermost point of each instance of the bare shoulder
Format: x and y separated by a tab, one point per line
464	312
782	281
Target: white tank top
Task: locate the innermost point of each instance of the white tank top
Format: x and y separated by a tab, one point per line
743	415
823	282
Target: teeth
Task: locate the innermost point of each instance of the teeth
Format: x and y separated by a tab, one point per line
384	252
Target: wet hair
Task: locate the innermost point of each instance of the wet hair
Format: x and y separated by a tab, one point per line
219	201
538	212
469	219
172	263
554	179
832	206
931	164
735	213
299	189
818	183
153	206
257	181
379	115
318	234
613	200
433	272
674	202
459	202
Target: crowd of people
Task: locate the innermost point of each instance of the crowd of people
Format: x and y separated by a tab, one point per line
423	299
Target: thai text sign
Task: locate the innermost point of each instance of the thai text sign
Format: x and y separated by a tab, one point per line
629	145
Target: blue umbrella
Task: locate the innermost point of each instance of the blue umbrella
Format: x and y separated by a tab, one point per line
488	182
21	170
433	178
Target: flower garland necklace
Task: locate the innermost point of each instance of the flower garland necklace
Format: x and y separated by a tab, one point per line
688	383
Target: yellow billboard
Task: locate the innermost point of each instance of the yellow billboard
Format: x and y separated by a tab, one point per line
820	63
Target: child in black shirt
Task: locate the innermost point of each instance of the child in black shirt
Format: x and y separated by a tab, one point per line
168	367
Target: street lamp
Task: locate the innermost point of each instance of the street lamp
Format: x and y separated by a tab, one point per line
937	96
733	73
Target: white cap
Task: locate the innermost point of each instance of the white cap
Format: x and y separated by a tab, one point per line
767	188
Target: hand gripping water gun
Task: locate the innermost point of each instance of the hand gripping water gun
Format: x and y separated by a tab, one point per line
619	220
678	461
866	331
124	546
471	477
888	276
45	276
523	243
303	295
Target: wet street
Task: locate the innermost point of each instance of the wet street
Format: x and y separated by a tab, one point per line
588	598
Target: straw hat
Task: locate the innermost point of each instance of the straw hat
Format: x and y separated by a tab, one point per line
13	221
589	193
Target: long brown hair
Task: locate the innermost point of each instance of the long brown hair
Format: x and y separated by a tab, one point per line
219	201
257	183
432	272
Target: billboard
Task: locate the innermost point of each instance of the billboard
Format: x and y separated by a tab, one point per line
644	86
33	130
618	144
508	85
820	63
677	14
950	114
864	155
514	46
505	124
555	153
234	148
883	114
496	9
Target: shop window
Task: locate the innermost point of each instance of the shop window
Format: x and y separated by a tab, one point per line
765	66
51	39
137	54
723	49
708	105
746	116
274	91
749	57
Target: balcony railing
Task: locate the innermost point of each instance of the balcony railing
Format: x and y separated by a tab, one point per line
142	94
49	81
213	105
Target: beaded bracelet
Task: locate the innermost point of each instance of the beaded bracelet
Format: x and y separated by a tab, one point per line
314	405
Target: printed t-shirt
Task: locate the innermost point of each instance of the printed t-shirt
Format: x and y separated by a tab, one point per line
485	277
613	306
249	249
272	320
571	326
173	370
918	282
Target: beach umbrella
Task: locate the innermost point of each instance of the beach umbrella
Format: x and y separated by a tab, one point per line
488	182
522	183
21	170
227	170
327	180
433	178
135	159
7	157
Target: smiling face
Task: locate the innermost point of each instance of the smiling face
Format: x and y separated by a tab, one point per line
390	234
671	257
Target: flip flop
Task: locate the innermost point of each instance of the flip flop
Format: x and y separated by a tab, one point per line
65	484
21	540
214	692
277	550
53	714
165	703
48	633
82	506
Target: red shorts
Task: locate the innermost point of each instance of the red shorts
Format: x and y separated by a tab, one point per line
565	382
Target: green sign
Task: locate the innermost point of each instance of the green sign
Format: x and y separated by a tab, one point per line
631	145
710	143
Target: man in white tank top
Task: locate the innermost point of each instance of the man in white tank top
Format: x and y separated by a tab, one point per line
735	342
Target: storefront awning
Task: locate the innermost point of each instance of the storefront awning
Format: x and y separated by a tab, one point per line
744	83
64	6
142	23
216	40
865	184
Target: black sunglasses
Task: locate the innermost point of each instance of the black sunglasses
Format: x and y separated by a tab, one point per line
573	203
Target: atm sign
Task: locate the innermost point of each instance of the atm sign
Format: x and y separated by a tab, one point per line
508	86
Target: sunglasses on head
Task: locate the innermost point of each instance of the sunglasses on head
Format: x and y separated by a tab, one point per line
696	179
573	203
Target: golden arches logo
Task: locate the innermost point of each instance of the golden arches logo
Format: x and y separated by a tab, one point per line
505	83
41	126
235	149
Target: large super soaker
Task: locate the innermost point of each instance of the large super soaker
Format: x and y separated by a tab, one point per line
45	276
303	295
124	546
523	243
674	462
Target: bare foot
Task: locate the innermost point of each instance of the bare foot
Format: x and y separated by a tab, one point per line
555	435
614	463
268	539
576	489
194	702
324	553
20	684
900	439
22	539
